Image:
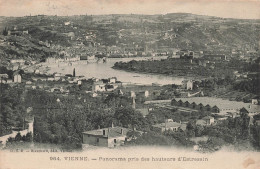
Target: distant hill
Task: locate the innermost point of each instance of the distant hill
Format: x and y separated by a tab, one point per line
174	30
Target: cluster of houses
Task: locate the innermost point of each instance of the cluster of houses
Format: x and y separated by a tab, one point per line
103	85
17	31
16	78
65	59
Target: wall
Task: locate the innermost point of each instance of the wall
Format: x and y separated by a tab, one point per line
92	140
119	141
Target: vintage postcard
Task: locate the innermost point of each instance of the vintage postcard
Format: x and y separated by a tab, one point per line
121	84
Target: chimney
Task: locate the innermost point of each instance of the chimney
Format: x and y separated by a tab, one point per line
112	125
98	126
121	131
104	132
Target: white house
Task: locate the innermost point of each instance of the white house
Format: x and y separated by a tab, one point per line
17	78
112	80
98	87
187	84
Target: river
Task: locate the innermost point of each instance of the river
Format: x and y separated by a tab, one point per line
105	70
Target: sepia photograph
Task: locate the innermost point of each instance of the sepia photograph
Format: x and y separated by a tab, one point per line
125	84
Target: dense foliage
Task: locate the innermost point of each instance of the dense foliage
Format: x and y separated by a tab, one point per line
180	67
13	111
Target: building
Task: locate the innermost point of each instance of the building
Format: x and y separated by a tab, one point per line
187	84
50	79
169	124
205	121
214	105
3	78
98	87
185	54
17	78
19	61
106	137
57	76
254	101
112	80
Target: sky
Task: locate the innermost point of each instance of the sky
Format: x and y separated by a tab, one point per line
243	9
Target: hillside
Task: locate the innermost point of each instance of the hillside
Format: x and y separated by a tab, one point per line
153	32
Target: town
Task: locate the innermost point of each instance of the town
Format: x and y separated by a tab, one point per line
83	82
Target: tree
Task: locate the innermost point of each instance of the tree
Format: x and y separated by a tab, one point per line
128	116
5	32
199	131
18	137
191	128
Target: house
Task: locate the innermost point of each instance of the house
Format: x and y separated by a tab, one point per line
57	76
112	80
79	82
50	79
17	78
106	137
28	82
209	120
187	84
185	54
254	101
169	124
3	78
9	81
98	87
205	121
19	61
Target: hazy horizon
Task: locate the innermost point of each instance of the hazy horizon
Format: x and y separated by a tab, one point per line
225	9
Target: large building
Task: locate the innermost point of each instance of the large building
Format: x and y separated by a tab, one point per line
214	105
106	137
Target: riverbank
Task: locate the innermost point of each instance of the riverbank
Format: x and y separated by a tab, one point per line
185	77
105	70
179	68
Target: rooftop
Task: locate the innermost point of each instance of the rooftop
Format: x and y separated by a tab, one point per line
221	104
109	132
168	125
